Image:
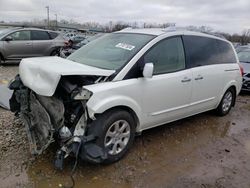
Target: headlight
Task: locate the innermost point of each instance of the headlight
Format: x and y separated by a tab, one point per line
83	94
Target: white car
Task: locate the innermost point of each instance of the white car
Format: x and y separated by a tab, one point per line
97	100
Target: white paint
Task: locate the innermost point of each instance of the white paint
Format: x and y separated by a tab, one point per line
42	74
155	101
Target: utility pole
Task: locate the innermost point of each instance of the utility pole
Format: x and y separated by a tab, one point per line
56	22
47	7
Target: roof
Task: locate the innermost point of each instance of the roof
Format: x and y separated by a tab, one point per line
169	31
26	28
148	31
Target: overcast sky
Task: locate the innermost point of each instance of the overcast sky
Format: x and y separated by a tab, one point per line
223	15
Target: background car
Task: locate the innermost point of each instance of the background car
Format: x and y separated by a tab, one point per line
77	39
87	40
18	43
244	58
242	48
67	50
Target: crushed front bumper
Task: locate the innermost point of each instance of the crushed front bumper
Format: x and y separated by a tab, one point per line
43	118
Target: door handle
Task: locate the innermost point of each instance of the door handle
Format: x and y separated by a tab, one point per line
199	77
186	79
28	44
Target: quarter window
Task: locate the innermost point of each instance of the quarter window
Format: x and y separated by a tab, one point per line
21	35
167	56
227	54
40	35
207	51
53	35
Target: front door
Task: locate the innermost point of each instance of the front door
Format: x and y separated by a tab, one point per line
166	96
19	47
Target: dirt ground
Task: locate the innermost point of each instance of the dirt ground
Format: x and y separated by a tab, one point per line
202	151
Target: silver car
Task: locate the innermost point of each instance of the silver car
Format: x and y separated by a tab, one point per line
18	43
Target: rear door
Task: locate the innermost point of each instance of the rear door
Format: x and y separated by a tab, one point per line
42	43
204	59
20	46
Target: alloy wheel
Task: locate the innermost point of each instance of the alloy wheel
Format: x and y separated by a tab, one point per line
117	137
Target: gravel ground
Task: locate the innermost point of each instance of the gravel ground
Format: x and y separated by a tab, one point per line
202	151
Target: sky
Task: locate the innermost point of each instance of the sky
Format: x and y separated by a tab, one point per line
232	16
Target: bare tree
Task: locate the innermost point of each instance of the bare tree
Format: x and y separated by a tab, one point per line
245	38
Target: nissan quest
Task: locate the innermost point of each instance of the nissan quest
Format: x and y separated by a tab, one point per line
94	102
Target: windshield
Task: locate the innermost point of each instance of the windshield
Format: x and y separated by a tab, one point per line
4	32
111	51
244	56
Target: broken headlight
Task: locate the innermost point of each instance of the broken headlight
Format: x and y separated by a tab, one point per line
83	94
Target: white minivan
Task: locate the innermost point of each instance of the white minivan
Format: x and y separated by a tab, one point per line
95	101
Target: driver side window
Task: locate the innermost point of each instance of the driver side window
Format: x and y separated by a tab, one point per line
20	35
167	55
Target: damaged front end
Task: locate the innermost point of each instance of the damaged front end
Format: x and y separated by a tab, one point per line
62	117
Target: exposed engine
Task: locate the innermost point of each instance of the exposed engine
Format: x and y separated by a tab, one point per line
62	118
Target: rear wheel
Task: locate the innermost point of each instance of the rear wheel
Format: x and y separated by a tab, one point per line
115	132
1	60
55	53
226	102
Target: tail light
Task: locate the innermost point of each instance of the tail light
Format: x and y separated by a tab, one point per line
241	70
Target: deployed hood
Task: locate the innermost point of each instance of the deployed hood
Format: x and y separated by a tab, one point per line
42	74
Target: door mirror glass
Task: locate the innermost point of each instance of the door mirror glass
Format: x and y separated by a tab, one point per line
8	38
148	70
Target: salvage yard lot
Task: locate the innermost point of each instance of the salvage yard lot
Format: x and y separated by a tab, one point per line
200	151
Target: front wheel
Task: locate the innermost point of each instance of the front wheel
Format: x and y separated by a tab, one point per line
115	132
226	102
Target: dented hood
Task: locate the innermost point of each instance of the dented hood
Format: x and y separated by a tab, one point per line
42	74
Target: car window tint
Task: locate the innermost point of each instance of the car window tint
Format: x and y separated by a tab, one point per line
227	54
167	56
21	35
206	51
39	35
53	35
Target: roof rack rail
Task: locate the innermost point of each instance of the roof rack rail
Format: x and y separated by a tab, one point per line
174	28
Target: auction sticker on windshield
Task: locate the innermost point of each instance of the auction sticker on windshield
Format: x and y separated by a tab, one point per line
125	46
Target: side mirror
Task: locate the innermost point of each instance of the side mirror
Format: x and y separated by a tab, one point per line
148	70
8	38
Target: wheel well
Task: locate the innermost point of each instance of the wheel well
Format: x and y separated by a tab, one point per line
54	49
1	55
129	110
234	99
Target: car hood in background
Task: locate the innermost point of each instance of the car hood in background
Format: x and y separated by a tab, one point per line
246	67
42	74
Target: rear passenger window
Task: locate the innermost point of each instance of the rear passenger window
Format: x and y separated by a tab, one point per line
206	51
53	35
39	35
167	56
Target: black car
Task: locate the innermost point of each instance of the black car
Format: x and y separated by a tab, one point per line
244	58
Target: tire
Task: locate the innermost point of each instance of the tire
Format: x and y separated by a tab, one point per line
114	131
55	53
226	102
1	60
